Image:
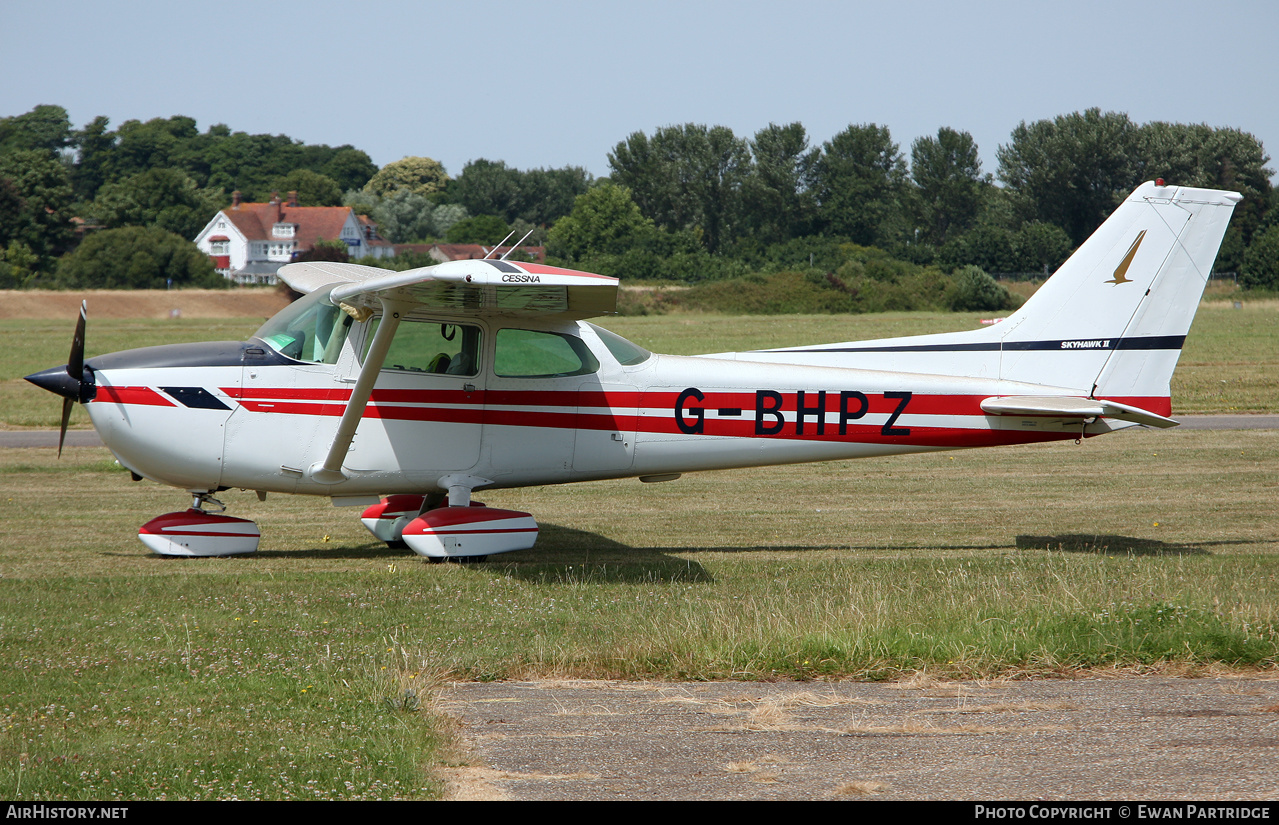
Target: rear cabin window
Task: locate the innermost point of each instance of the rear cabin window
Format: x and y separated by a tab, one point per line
430	347
523	353
626	353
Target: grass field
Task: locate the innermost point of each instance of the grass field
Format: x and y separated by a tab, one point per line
308	670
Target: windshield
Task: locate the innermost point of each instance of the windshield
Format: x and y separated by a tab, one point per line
309	329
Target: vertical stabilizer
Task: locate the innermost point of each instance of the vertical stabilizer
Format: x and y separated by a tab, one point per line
1113	319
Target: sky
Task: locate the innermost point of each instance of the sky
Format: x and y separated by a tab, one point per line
555	84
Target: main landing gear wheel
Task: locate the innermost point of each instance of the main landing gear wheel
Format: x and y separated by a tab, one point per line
471	533
197	533
387	519
433	528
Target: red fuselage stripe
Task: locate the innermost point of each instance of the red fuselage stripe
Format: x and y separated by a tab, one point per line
144	396
735	414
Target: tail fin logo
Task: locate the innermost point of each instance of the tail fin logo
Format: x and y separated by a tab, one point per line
1121	271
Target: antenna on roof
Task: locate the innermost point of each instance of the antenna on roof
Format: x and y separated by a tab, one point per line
499	244
517	244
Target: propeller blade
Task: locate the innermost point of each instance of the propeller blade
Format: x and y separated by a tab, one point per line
67	405
75	362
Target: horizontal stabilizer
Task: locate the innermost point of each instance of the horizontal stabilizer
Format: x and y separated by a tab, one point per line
1072	407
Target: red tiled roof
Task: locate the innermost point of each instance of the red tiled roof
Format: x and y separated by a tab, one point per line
314	223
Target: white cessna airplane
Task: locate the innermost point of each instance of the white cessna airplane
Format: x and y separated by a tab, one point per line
408	392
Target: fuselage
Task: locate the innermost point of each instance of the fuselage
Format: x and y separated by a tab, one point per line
517	404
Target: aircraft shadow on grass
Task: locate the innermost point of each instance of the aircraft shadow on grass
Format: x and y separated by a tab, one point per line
563	554
566	554
1108	545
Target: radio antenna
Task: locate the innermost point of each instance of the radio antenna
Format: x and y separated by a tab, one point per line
494	249
517	244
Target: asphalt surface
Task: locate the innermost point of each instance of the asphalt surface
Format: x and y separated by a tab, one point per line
1130	738
48	438
89	438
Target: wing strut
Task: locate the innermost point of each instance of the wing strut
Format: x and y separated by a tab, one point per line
329	471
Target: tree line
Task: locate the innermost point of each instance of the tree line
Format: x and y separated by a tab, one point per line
687	202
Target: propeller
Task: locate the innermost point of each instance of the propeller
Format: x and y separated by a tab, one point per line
71	382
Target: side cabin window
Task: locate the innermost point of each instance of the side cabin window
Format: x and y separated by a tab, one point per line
523	353
309	329
431	347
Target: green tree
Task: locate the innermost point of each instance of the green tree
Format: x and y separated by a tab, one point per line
136	257
362	202
1073	170
975	290
313	188
157	143
949	181
404	216
419	175
1040	247
43	189
604	221
18	266
1199	155
445	215
778	198
247	162
860	180
11	205
546	195
988	246
1260	268
482	229
352	168
93	146
687	177
488	187
166	198
44	128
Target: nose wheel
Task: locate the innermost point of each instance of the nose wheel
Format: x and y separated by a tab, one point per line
197	532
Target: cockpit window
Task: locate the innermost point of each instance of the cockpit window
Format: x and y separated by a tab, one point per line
524	353
626	353
429	346
309	329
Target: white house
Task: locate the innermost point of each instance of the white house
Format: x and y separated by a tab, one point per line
249	242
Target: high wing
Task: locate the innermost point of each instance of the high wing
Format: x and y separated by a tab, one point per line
472	287
308	277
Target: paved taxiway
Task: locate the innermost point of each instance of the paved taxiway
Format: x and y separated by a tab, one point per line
1128	738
